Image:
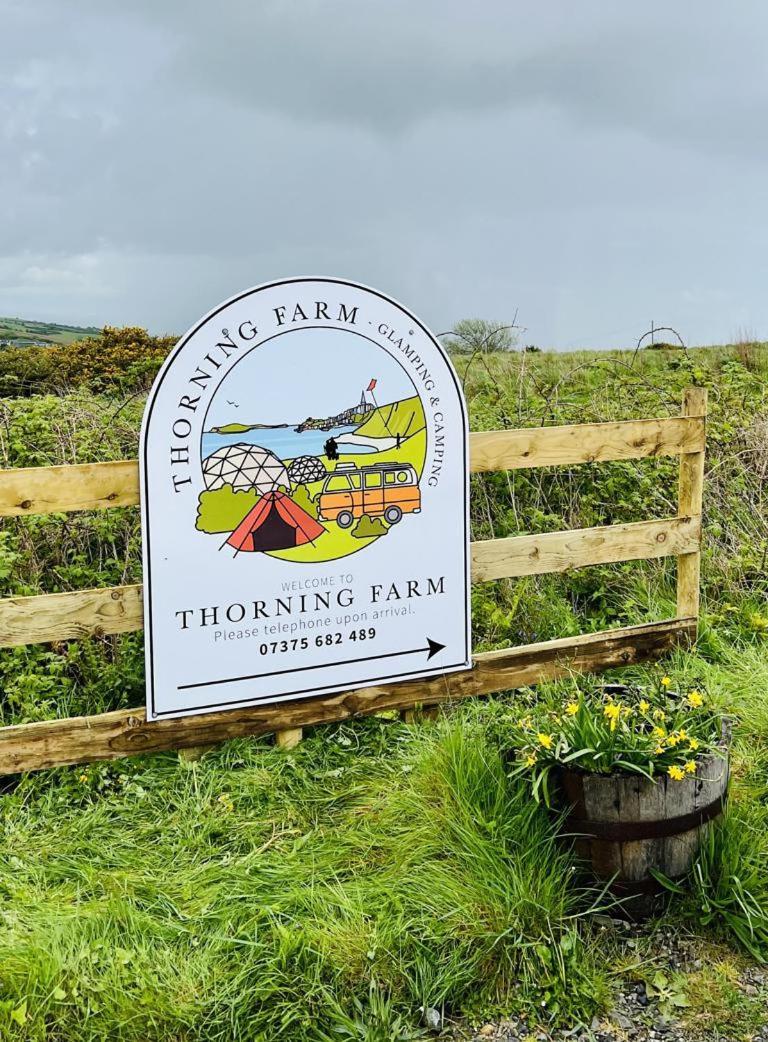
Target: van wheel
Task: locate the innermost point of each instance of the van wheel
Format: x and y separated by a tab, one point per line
393	514
344	519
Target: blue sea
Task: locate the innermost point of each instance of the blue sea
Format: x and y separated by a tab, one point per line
284	441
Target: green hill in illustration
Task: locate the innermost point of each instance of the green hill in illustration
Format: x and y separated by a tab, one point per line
405	418
241	428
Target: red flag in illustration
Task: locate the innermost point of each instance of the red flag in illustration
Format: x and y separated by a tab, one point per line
371	385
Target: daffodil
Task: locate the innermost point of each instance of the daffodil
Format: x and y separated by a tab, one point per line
643	706
545	740
530	759
665	681
612	712
659	714
695	699
658	750
572	708
673	740
676	773
693	745
659	732
690	767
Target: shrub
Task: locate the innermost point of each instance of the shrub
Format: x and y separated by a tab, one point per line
369	528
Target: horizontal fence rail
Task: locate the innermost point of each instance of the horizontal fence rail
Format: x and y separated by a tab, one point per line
98	612
95	613
125	732
95	486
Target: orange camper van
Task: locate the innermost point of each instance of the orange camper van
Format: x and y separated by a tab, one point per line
386	490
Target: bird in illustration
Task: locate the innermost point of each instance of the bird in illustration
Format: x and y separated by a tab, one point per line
233	403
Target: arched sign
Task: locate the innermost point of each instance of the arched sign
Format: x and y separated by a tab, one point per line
304	475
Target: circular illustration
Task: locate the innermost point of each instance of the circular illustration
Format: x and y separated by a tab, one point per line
313	447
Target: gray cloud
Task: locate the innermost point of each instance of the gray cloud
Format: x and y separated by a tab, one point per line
596	165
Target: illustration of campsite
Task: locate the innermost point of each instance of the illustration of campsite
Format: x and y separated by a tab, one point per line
316	489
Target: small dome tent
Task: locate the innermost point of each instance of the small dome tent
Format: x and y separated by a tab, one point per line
245	467
305	469
274	523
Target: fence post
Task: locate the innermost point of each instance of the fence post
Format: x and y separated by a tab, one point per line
690	497
192	753
419	713
289	738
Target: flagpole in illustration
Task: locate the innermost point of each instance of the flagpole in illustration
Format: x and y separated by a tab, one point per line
369	389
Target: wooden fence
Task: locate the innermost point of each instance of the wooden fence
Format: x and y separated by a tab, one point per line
83	613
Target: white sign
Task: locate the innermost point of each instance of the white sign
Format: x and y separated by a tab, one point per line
304	473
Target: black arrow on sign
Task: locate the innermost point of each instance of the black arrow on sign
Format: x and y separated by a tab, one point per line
432	648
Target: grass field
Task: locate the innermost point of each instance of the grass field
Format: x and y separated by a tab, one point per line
21	331
380	869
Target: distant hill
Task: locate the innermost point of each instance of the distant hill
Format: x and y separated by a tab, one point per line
22	332
405	418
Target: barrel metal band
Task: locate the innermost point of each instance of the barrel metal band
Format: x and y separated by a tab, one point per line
629	830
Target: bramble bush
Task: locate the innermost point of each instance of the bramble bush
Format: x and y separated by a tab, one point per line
117	360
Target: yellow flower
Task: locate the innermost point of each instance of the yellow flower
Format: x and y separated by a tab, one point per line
693	745
83	778
682	735
695	699
643	705
572	708
659	732
676	773
659	714
525	721
690	767
612	712
226	801
665	681
672	740
545	740
530	759
659	750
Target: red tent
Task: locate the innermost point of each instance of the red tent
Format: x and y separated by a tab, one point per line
275	523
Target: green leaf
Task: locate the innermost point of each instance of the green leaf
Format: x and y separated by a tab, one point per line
19	1015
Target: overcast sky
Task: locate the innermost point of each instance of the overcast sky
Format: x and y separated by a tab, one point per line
595	165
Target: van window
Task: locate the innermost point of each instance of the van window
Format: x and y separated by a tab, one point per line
403	476
373	480
338	483
389	477
355	479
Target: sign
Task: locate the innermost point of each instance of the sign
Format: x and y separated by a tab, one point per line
304	483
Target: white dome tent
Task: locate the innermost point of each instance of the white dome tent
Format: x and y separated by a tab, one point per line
306	469
245	467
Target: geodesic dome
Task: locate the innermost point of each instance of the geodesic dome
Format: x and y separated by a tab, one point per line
305	469
245	467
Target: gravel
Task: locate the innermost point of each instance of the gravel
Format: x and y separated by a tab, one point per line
636	1016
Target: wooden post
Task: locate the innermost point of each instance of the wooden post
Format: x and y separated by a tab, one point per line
193	753
419	713
690	505
289	738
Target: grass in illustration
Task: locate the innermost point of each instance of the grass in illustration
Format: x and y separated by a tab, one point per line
319	488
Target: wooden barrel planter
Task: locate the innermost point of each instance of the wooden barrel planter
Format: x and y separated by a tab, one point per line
624	826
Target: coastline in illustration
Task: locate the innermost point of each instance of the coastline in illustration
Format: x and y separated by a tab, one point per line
320	488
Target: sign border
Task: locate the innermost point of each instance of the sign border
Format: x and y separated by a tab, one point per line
152	713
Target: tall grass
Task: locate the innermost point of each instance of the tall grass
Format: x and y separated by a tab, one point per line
256	895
